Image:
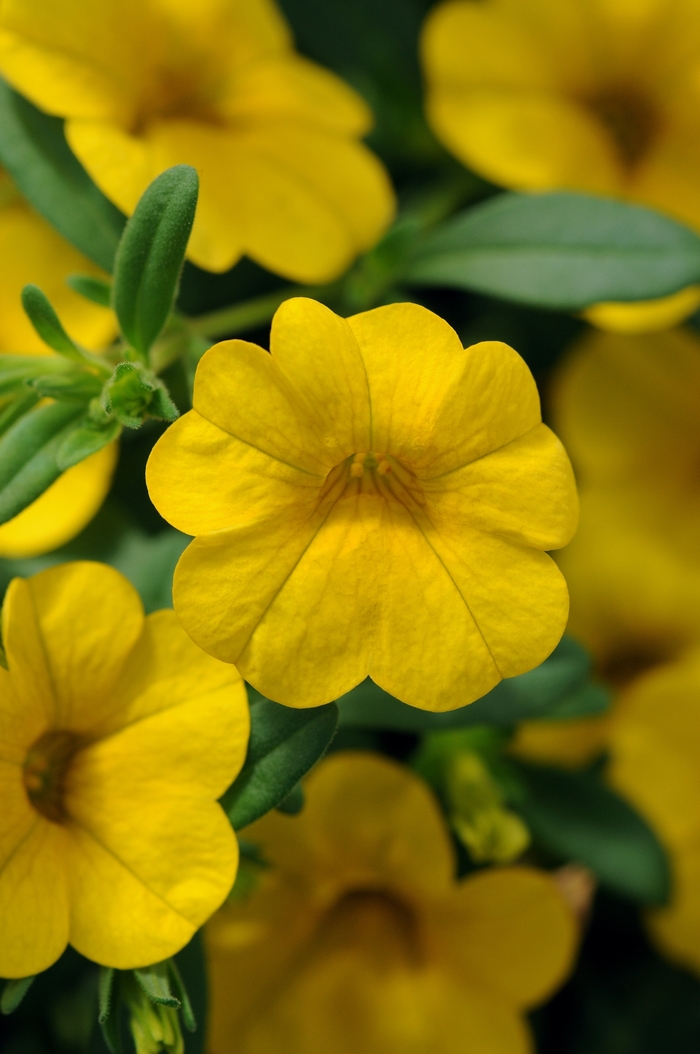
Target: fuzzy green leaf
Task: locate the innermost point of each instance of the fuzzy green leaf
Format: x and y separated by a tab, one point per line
150	255
47	323
94	289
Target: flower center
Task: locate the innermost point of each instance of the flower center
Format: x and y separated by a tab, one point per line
630	120
373	473
189	91
629	660
45	770
376	921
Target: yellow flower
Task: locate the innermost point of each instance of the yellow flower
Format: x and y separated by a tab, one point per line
551	94
145	84
656	764
369	499
627	409
358	937
118	735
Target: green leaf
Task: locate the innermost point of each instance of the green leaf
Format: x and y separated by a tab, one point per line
191	989
155	982
94	289
71	384
47	323
150	255
34	151
576	817
13	993
294	802
552	690
563	251
284	744
89	437
28	455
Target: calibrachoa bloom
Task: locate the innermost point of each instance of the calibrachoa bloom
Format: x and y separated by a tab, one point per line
550	94
369	499
357	937
118	735
656	764
146	84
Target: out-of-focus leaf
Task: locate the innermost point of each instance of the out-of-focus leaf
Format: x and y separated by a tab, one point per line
148	561
13	993
557	688
150	255
563	251
576	817
284	744
34	151
91	288
89	437
28	455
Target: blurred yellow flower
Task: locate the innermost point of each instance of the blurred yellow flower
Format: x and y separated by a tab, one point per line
118	735
626	407
145	84
358	937
369	499
656	764
551	94
32	251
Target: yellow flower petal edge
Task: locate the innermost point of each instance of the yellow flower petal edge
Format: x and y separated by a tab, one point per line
63	510
118	736
645	316
368	499
275	138
359	938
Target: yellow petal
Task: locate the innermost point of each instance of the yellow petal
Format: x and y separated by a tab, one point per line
63	510
139	891
524	492
625	408
366	817
291	86
522	936
527	140
307	404
435	404
203	480
569	744
34	906
32	251
121	164
59	652
306	201
645	316
165	669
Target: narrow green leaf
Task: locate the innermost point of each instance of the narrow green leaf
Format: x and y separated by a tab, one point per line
155	983
284	744
47	323
105	984
150	255
94	289
181	993
28	453
13	993
576	817
34	151
192	968
23	402
553	689
85	440
562	250
76	384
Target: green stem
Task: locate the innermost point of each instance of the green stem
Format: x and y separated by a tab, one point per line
241	317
